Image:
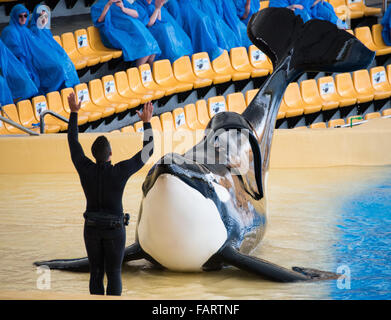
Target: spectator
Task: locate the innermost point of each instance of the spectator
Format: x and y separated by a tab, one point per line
199	28
5	92
16	75
173	41
40	26
120	28
386	23
246	8
226	38
34	53
226	9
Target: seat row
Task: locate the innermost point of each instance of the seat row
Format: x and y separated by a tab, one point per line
345	8
327	93
85	47
372	38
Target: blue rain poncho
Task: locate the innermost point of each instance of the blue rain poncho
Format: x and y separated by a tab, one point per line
240	9
5	92
199	28
226	9
45	35
123	32
226	38
16	75
386	23
304	13
173	41
35	54
173	8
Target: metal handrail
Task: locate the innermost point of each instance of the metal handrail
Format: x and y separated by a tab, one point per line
54	114
20	127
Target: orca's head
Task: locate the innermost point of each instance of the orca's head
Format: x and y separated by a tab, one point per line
194	203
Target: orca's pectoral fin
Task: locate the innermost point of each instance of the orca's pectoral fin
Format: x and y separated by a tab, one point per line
315	274
76	265
134	252
270	270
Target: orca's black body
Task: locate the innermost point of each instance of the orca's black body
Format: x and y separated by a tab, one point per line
294	48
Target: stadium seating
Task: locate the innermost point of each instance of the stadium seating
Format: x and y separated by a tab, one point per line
9	111
336	122
311	97
183	72
328	92
202	113
191	117
222	65
259	61
365	36
372	115
167	122
40	104
203	69
97	45
147	79
380	83
236	102
99	98
378	38
135	84
179	118
164	77
85	49
318	125
124	90
216	105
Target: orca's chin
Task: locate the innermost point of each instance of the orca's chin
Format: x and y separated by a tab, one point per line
178	226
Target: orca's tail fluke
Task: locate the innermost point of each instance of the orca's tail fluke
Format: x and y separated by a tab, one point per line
316	45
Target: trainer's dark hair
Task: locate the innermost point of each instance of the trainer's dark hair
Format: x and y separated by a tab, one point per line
101	149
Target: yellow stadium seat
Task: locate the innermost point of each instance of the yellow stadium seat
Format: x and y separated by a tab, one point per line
97	45
216	105
202	113
363	86
10	112
40	105
179	118
241	63
282	110
128	129
318	125
372	115
343	11
83	45
250	94
137	87
359	5
164	77
336	122
139	126
29	118
259	61
345	87
365	36
354	119
184	72
167	122
68	43
55	104
58	39
293	100
83	95
378	38
328	92
300	128
98	97
236	102
380	83
222	65
147	79
123	88
311	97
202	68
92	115
350	31
191	117
386	112
111	93
155	124
263	5
3	130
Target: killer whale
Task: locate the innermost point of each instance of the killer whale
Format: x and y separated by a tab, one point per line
201	214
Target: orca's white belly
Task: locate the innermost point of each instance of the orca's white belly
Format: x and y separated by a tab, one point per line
179	227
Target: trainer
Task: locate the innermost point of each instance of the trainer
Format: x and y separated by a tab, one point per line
103	185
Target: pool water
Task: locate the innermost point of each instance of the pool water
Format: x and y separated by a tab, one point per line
334	219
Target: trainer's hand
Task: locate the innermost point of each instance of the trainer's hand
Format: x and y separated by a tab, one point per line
73	105
146	115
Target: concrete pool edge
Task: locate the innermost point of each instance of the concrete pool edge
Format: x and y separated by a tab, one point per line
366	145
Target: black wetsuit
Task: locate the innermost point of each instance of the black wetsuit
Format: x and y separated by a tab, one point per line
103	186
